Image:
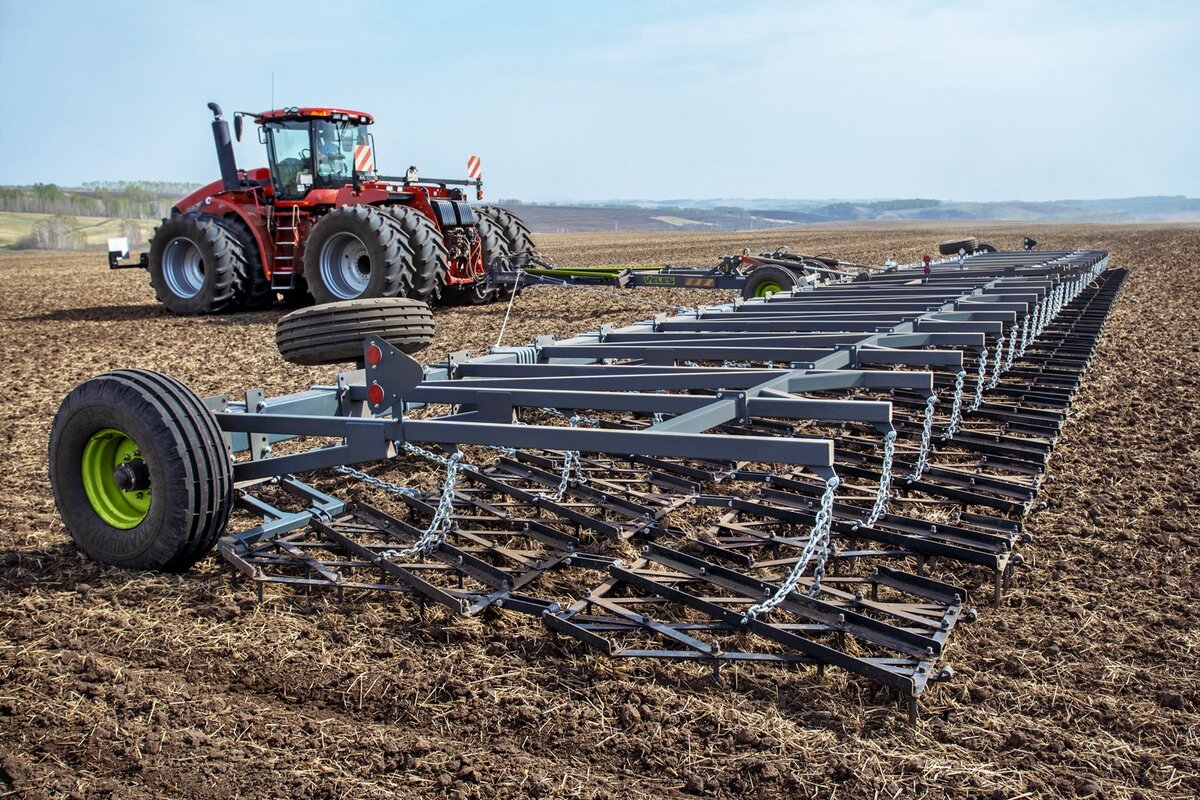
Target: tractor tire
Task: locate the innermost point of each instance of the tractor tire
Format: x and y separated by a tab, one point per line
520	238
333	333
493	239
140	473
985	247
194	263
430	258
767	279
950	247
357	252
251	286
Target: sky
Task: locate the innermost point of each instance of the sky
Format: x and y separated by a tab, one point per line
567	100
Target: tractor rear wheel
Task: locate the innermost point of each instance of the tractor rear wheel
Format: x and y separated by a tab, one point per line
430	258
333	333
251	286
950	247
493	239
356	252
768	278
194	262
140	472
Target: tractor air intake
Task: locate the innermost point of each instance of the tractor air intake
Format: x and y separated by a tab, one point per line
225	157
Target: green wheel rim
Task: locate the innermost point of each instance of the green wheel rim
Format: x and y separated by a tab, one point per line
107	450
767	286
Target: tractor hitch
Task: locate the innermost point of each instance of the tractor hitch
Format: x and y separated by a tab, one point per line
118	251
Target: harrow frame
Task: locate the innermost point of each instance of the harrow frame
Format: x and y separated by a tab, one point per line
732	439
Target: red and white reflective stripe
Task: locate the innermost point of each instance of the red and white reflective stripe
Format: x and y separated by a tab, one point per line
474	168
362	158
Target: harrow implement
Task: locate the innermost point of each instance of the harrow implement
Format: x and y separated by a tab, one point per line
817	477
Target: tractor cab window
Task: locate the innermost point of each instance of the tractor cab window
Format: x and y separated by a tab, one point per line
339	148
290	151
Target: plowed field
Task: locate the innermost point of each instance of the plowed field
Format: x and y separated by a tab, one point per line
1086	682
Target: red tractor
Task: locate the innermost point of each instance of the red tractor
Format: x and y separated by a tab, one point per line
319	221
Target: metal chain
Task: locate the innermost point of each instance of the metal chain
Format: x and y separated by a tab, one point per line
818	546
1012	349
380	482
983	357
554	412
956	406
571	466
885	481
926	435
435	535
1024	334
995	379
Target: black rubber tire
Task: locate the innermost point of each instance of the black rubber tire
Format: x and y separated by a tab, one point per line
520	238
389	257
493	240
333	333
768	273
191	472
221	254
430	258
950	247
985	247
251	286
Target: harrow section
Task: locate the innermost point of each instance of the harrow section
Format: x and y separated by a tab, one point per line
818	477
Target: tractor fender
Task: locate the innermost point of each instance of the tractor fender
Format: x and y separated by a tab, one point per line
346	196
220	207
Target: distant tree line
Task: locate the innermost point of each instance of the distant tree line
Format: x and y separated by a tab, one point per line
120	199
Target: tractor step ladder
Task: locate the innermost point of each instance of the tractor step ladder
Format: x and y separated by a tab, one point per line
287	245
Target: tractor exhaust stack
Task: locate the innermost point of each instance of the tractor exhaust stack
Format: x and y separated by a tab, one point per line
225	157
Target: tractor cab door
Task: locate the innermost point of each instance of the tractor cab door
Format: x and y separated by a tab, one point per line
289	150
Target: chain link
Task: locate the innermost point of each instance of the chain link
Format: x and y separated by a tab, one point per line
926	435
956	406
1024	335
379	482
980	380
885	481
818	546
1012	349
435	535
995	379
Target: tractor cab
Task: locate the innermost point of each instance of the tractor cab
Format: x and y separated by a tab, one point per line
316	148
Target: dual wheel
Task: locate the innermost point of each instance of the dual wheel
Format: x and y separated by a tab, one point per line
202	264
140	470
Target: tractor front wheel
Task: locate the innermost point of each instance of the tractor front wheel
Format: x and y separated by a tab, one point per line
141	475
356	252
194	262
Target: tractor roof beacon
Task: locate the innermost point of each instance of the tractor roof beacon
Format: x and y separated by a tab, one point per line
320	222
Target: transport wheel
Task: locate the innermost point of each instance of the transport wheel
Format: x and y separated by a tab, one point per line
767	279
429	254
357	252
251	286
984	247
141	475
950	247
333	333
194	261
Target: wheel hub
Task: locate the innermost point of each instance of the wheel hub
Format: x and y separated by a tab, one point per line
116	479
345	266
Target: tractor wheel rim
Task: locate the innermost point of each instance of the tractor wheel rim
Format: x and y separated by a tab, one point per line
767	286
183	267
345	266
106	452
